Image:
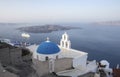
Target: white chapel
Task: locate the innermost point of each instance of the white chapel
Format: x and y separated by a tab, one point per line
61	59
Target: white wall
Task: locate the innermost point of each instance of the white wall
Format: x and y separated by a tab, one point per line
80	61
42	57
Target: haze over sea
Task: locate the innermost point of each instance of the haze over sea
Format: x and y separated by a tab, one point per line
100	41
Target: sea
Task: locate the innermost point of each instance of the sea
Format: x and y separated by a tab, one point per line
101	42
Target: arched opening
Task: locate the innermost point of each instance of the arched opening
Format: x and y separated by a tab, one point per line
37	57
64	37
57	57
66	45
46	58
62	43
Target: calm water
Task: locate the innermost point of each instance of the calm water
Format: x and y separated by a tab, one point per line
101	42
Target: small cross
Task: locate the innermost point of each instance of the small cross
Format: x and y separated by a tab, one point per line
47	38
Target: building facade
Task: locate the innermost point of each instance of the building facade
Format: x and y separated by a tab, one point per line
50	57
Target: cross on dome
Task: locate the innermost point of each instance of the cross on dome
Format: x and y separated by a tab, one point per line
47	39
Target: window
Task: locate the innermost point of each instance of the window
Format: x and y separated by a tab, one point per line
37	57
66	44
62	43
46	58
57	57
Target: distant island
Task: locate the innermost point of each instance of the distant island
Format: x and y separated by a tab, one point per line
45	28
116	23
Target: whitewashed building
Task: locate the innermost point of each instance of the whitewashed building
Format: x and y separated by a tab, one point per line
50	57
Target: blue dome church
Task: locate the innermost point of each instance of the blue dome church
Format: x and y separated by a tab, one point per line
51	57
48	48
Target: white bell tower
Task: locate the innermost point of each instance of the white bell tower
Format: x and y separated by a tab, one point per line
65	42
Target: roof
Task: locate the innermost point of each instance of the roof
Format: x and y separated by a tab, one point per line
48	47
71	53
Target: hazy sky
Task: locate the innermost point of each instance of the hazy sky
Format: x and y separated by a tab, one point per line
49	11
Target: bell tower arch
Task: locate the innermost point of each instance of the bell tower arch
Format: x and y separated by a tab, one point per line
65	42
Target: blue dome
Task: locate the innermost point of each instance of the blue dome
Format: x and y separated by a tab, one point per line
48	47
